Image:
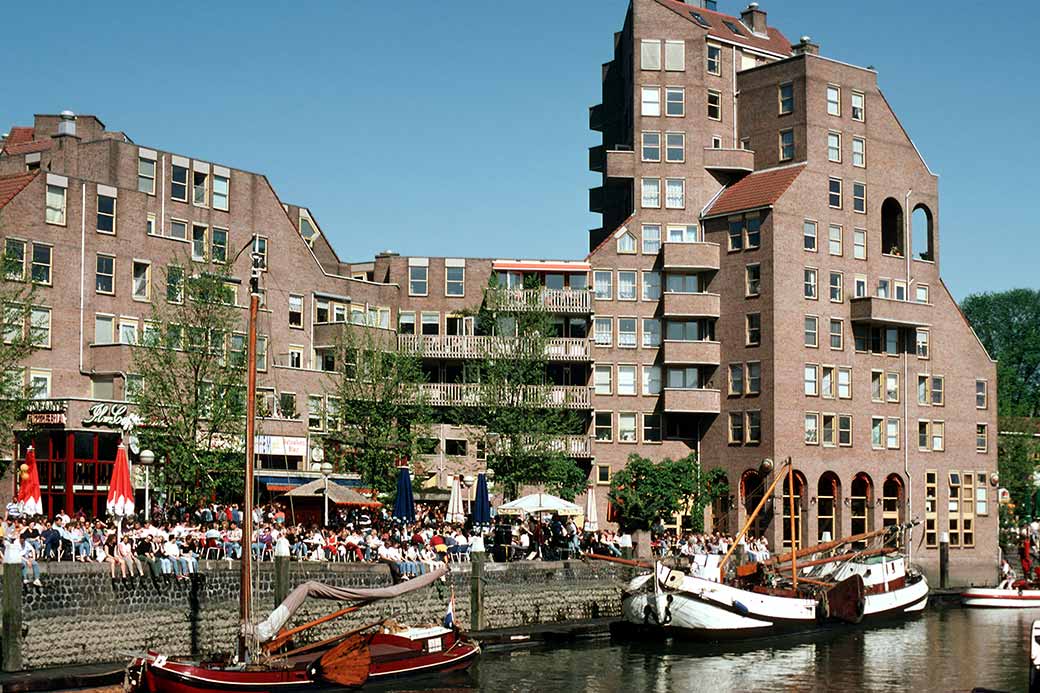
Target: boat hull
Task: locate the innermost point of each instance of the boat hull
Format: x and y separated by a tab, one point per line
994	598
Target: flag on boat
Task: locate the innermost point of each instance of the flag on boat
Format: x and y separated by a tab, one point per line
449	617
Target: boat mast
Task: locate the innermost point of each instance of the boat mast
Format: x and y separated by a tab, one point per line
751	518
794	538
245	588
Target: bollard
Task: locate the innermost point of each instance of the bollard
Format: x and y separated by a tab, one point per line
476	591
12	606
281	571
944	561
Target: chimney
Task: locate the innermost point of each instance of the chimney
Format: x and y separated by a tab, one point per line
806	47
67	124
754	19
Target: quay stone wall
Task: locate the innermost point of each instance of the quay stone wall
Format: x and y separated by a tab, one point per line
78	617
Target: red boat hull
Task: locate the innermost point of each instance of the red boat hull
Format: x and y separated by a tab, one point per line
392	656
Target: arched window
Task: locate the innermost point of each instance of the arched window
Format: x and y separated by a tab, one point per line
923	233
892	228
861	506
828	507
752	488
892	501
720	508
799	509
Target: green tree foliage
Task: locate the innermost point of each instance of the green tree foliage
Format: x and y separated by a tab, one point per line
191	364
1016	459
380	414
646	491
21	337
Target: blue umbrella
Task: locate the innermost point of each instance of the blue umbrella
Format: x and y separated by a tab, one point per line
482	505
404	503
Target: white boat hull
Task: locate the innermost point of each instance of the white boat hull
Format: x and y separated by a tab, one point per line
994	598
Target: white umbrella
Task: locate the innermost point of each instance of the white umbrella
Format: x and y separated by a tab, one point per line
591	521
456	513
539	503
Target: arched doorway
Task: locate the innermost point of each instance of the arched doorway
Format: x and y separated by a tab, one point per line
861	505
892	501
893	231
828	507
752	489
720	509
799	510
923	230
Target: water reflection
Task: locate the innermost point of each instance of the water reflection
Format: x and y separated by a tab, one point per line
941	650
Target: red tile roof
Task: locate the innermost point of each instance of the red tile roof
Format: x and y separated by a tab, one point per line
775	43
12	185
755	191
19	135
27	147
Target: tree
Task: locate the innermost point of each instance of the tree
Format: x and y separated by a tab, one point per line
1008	324
381	413
191	370
1016	464
644	491
25	329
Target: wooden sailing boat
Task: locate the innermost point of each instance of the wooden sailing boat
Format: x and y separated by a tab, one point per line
837	584
266	658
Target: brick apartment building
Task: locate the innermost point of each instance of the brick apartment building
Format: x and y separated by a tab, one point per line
765	284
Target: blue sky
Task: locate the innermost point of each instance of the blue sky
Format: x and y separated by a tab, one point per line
461	127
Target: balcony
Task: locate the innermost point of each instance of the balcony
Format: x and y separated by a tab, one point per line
597	158
478	347
621	162
702	352
329	334
887	311
692	256
691	305
597	115
529	396
573	301
578	447
692	401
596	199
110	358
740	160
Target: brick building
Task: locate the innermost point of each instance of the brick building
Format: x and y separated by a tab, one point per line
765	284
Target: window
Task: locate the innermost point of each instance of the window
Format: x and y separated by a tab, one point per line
626	380
736	379
876	378
627	427
40	270
627	333
430	323
834	193
603	283
686	233
716	142
812	429
651	149
809	283
834	239
315	413
104	329
604	426
150	227
921	340
179	183
877	425
199	241
650	55
455	281
736	428
836	287
859	244
937	391
891	387
785	95
603	380
938	436
105	274
651	239
626	244
812	380
40	327
900	290
786	145
714	105
295	357
754	427
844	430
603	330
860	291
981	437
651	286
858	110
221	192
809	235
675	102
827	381
651	333
127	331
883	287
754	377
859	152
146	175
714	62
39	383
14	259
651	380
859	198
923	434
923	394
106	214
675	193
981	394
417	280
752	280
921	293
179	229
736	234
626	285
651	101
837	334
219	243
55	211
753	329
200	188
892	433
651	428
811	331
675	147
651	189
142	280
834	147
833	100
174	284
827	422
296	311
675	56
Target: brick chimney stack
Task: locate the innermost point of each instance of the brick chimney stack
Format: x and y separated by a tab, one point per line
754	19
806	47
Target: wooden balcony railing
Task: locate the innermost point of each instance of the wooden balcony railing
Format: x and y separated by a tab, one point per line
550	300
477	347
579	447
532	396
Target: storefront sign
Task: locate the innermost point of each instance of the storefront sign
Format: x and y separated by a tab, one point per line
281	445
46	419
111	416
47	406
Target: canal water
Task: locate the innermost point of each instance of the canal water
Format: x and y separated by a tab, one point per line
943	649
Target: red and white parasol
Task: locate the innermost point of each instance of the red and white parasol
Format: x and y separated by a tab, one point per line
29	500
120	490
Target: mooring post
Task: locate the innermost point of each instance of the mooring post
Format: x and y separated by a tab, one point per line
476	591
944	560
281	570
12	608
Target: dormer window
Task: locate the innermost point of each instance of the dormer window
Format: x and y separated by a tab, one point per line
626	243
308	229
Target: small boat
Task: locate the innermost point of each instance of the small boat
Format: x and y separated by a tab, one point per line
1019	595
1034	658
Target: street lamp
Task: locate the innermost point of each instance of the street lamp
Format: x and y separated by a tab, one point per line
145	459
326	471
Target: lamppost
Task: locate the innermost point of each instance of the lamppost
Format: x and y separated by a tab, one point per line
145	459
326	471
